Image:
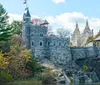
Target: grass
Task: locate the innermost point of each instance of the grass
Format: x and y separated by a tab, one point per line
32	81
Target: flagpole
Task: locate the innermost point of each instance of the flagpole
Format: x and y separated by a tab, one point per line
25	2
26	5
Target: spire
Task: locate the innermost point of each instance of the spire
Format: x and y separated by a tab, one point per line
76	24
76	31
87	23
87	28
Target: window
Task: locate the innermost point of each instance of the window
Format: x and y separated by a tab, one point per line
48	43
64	43
60	44
40	43
54	43
31	34
41	35
32	43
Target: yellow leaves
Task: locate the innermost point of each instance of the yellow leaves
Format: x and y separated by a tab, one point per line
3	62
26	54
18	58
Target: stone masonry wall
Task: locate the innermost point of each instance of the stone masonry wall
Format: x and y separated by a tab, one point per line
59	50
84	52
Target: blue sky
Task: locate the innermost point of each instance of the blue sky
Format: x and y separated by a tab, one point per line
48	7
60	13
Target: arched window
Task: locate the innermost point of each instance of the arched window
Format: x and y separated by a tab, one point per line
48	43
54	43
41	43
65	44
32	43
31	35
60	44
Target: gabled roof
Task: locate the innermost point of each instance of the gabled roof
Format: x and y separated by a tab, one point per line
98	38
44	22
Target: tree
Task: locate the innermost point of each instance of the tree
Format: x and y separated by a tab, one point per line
90	39
97	35
4	73
5	33
18	58
3	62
64	33
17	26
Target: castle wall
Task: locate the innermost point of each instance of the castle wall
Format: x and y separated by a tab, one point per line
38	36
59	50
98	51
78	52
90	51
84	52
55	49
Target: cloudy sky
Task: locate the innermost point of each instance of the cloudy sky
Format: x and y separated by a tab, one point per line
59	13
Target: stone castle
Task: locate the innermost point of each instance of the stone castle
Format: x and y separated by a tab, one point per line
79	39
53	48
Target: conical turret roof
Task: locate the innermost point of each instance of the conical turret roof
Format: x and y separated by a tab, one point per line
27	13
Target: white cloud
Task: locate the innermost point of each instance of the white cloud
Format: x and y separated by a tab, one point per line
18	17
66	20
14	17
58	1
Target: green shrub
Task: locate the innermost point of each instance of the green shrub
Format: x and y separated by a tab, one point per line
69	74
33	65
48	76
85	68
5	77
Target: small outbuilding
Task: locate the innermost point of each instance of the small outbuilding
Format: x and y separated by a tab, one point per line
97	40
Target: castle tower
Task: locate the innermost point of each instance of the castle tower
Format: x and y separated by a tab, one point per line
38	37
26	27
76	36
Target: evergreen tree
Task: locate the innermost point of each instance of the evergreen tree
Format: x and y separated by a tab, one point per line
5	33
17	26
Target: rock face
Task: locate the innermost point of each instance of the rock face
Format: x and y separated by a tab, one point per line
93	65
93	76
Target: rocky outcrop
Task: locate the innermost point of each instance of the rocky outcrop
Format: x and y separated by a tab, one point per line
93	65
